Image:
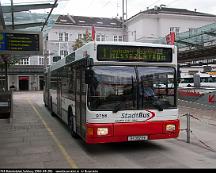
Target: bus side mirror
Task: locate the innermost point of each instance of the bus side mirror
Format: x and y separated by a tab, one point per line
88	76
89	62
178	73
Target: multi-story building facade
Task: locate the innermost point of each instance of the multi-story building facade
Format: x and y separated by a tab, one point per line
152	24
68	29
146	26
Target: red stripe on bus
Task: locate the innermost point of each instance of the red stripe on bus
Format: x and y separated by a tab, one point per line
119	132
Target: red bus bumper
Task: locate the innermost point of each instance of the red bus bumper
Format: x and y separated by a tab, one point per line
119	132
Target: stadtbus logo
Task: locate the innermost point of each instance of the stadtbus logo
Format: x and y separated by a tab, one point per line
139	115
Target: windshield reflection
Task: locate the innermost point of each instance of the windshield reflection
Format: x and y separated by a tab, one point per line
131	88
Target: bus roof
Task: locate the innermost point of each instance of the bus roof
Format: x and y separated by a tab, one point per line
89	50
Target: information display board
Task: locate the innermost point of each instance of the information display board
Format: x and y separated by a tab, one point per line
21	43
133	53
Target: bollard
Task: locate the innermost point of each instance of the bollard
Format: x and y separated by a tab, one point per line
188	127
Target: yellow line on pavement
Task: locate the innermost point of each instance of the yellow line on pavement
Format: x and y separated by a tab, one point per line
60	146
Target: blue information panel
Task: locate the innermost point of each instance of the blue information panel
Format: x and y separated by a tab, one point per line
20	43
2	41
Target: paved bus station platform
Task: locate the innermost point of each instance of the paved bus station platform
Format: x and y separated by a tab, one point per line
35	139
26	142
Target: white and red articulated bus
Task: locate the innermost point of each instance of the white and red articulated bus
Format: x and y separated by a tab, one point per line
99	91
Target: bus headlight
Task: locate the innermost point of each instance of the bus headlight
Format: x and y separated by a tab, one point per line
170	127
102	131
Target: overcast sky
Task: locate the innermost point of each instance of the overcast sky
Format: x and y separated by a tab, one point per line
112	8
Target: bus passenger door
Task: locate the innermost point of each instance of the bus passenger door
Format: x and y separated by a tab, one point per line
80	102
77	101
59	97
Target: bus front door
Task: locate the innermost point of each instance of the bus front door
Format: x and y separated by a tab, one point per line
80	117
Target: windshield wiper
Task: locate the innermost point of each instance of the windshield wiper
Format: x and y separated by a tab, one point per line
157	104
117	107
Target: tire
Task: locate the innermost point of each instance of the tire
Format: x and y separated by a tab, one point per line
70	124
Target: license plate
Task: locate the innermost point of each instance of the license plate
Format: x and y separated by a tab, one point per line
137	138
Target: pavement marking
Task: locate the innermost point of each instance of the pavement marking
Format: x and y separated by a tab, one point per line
58	143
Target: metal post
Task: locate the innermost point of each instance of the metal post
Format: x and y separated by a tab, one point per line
45	54
6	74
2	22
188	128
123	12
12	15
126	10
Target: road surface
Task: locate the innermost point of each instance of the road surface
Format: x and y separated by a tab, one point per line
35	139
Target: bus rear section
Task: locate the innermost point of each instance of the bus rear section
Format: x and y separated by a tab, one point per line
119	110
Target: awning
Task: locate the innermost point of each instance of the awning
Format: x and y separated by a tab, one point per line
27	15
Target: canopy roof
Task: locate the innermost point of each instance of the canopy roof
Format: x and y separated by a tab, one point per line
27	15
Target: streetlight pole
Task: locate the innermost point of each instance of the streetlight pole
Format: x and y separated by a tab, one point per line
45	53
124	10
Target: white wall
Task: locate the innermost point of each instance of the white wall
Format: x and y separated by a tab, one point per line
149	27
184	22
54	45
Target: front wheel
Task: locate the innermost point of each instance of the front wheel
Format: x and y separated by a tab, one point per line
71	124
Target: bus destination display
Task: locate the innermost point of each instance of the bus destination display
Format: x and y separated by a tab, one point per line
133	53
19	42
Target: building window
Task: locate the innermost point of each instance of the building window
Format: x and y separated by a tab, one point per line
100	37
97	37
66	36
103	37
24	61
177	30
63	53
41	61
115	38
174	29
120	38
80	36
60	36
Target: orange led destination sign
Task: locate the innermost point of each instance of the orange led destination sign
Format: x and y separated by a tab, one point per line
133	53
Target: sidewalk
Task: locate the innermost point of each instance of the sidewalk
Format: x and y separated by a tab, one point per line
202	125
25	142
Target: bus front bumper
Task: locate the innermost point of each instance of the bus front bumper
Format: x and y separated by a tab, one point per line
133	131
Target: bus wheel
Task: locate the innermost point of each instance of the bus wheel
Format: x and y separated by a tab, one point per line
71	124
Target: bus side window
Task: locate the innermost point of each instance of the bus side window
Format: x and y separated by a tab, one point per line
210	79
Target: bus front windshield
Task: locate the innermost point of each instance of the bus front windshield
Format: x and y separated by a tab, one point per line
131	88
